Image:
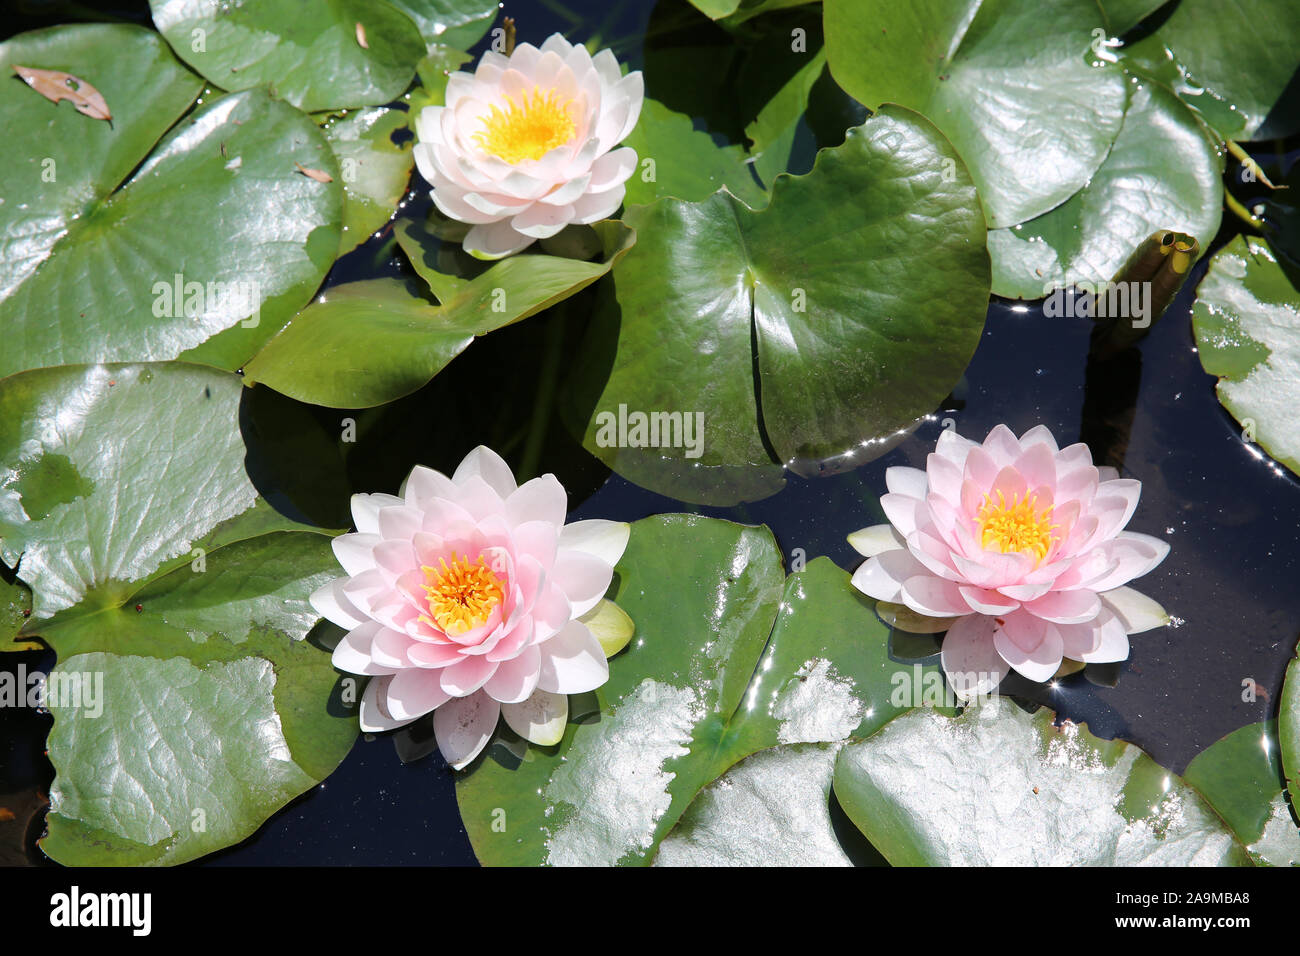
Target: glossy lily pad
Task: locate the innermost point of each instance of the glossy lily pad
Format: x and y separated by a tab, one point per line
369	342
341	53
728	660
211	244
458	23
1241	778
1014	85
373	169
187	706
1247	323
806	330
997	786
1288	730
1163	172
675	159
1232	61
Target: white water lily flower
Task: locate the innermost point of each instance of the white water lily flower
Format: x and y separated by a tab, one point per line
470	597
524	145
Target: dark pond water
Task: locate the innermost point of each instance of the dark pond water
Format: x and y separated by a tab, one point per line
1230	516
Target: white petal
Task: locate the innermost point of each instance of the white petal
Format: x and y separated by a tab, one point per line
1136	611
540	719
541	499
607	540
542	221
463	727
331	603
495	240
871	541
572	661
489	466
365	510
355	552
909	482
374	716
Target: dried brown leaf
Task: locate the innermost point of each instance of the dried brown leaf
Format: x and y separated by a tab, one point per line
317	174
55	85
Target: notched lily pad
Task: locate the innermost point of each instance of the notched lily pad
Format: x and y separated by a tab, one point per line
809	329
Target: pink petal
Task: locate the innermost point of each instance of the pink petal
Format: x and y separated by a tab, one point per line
434	655
903	511
953	447
1039	434
933	597
1134	555
1065	607
413	693
984	601
944	478
1040	660
425	483
1003	446
467	675
970	661
516	679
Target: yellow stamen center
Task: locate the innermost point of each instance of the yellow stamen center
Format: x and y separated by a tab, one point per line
1016	525
529	129
462	595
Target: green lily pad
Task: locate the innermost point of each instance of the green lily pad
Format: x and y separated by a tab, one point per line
211	245
675	159
1232	61
373	169
458	23
726	662
178	598
370	342
1288	730
997	786
1241	778
1164	172
864	315
776	81
738	11
15	608
313	58
1247	324
1013	85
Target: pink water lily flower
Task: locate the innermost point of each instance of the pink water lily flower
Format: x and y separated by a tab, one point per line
1021	546
468	596
525	144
